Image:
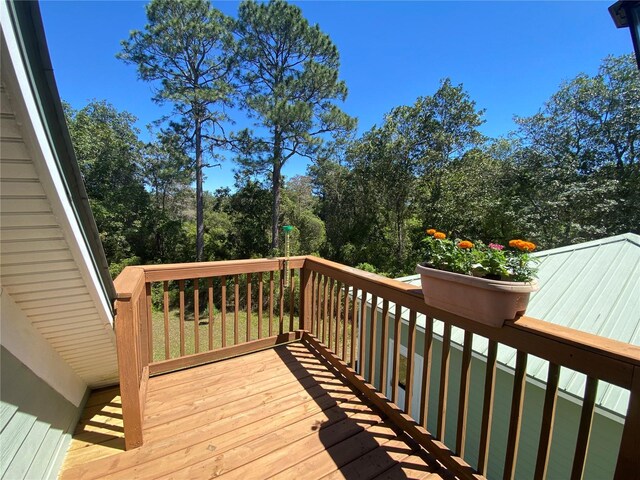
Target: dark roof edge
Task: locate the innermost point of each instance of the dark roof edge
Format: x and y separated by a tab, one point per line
27	20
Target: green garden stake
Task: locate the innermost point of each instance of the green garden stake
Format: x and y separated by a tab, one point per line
287	230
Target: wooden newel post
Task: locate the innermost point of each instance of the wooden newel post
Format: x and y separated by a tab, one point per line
305	299
129	286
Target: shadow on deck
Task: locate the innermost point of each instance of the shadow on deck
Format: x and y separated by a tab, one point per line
278	413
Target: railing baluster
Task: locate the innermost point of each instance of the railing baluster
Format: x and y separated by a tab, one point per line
548	418
325	303
292	275
271	303
345	321
181	287
236	309
318	325
463	401
338	315
354	319
384	347
332	294
210	308
395	375
281	300
165	302
260	287
372	340
517	402
249	278
444	382
487	407
411	349
223	310
363	331
314	275
196	316
584	431
149	321
426	371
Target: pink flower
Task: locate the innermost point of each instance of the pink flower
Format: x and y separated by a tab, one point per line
496	246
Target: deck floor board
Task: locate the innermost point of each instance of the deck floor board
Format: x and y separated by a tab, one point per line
279	413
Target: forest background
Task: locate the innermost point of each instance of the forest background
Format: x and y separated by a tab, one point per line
567	174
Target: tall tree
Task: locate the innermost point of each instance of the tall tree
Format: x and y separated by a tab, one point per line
290	71
187	47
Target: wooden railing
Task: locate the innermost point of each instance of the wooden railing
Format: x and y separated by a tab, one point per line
349	317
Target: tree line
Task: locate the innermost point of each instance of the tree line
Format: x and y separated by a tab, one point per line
569	173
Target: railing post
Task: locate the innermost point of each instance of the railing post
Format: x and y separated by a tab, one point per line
130	292
305	299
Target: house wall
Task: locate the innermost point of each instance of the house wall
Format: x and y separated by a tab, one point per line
605	435
36	422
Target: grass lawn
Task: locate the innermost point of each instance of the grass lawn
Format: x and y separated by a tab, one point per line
203	329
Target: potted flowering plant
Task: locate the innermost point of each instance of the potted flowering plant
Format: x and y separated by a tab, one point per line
488	283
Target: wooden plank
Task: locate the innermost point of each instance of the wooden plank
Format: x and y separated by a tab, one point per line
260	300
363	332
314	291
414	467
221	353
333	457
444	382
210	309
463	398
236	310
515	422
248	328
395	368
487	407
196	315
584	429
375	462
165	304
411	350
373	357
384	347
182	336
548	420
628	463
186	271
395	415
223	311
426	371
605	359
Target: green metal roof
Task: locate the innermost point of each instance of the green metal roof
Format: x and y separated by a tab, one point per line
593	287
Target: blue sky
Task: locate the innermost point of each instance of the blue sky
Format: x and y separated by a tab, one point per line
510	56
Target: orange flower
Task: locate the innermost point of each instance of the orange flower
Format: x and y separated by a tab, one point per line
514	243
431	231
465	244
439	235
528	246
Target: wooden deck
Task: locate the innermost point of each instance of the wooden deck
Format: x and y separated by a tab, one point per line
278	413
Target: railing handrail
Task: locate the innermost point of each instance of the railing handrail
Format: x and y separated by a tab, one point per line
609	360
